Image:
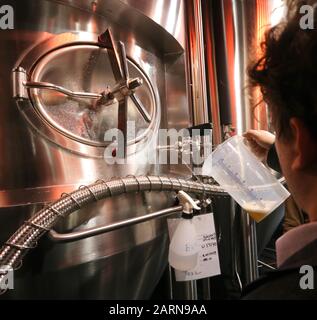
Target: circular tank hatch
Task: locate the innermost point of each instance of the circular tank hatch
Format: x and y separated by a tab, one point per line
87	68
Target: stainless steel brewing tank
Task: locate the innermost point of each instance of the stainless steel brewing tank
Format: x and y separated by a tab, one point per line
45	151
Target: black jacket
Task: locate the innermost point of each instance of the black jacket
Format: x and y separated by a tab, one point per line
280	285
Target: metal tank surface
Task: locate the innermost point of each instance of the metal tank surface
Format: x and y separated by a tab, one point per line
52	142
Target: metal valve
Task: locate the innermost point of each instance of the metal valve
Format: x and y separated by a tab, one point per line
188	203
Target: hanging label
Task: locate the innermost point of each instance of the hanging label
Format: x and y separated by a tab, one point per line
208	258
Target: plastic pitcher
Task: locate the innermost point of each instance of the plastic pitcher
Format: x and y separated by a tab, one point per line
245	178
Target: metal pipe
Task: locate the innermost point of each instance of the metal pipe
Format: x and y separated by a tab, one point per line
197	62
121	89
66	92
206	289
222	62
266	265
249	248
141	108
78	235
211	79
191	292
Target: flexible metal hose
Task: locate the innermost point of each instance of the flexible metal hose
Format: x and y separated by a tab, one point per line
27	236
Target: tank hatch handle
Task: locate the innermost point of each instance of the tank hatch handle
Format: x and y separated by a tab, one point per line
124	88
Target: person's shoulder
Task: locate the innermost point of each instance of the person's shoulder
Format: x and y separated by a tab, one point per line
281	285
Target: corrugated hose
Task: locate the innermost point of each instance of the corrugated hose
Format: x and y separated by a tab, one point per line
28	235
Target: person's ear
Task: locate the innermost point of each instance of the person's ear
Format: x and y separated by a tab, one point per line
304	145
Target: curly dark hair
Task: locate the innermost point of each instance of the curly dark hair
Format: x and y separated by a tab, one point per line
287	71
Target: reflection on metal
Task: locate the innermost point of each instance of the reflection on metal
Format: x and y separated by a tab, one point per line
40	195
164	16
211	79
197	62
221	54
247	24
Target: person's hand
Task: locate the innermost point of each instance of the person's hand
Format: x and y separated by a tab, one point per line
260	142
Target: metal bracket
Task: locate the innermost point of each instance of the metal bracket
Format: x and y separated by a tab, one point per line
19	78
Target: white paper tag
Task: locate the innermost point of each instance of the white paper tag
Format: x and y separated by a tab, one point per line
208	258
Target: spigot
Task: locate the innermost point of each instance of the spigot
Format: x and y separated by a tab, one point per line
187	202
183	249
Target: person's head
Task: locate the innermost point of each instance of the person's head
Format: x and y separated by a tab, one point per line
287	76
